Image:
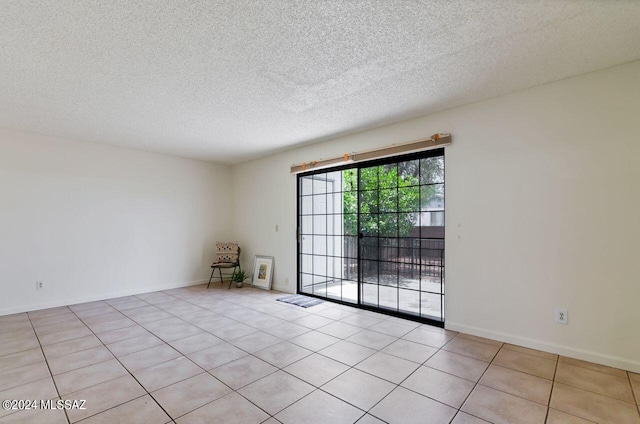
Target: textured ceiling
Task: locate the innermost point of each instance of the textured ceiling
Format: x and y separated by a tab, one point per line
227	81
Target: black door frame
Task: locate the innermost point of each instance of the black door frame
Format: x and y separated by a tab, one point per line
357	166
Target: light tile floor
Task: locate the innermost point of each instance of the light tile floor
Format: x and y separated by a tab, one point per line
194	355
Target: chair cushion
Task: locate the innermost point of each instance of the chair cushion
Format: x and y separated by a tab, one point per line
227	252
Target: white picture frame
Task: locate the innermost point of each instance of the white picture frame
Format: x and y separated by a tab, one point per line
262	272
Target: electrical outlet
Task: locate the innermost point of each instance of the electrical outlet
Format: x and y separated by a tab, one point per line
39	285
286	281
562	316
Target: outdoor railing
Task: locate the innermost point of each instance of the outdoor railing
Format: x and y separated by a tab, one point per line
409	256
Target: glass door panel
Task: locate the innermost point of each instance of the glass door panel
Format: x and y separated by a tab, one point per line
327	267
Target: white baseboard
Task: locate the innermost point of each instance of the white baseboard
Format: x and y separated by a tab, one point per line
103	296
585	355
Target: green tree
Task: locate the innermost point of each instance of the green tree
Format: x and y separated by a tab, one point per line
389	200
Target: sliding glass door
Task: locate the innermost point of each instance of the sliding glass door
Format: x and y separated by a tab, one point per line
373	235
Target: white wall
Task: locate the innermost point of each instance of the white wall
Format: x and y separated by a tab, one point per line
542	212
95	221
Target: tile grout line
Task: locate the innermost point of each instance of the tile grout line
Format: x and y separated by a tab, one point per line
286	372
477	383
167	343
115	357
365	412
633	402
182	354
129	372
591	369
55	385
396	384
414	371
636	397
204	370
553	385
502	391
201	406
122	365
316	352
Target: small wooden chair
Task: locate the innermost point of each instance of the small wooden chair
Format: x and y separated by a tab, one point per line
227	256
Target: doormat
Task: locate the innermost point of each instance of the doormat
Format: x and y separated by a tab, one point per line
300	300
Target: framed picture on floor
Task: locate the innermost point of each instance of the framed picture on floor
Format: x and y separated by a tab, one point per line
262	272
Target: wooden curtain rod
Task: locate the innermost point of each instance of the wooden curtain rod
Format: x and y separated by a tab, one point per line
436	140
